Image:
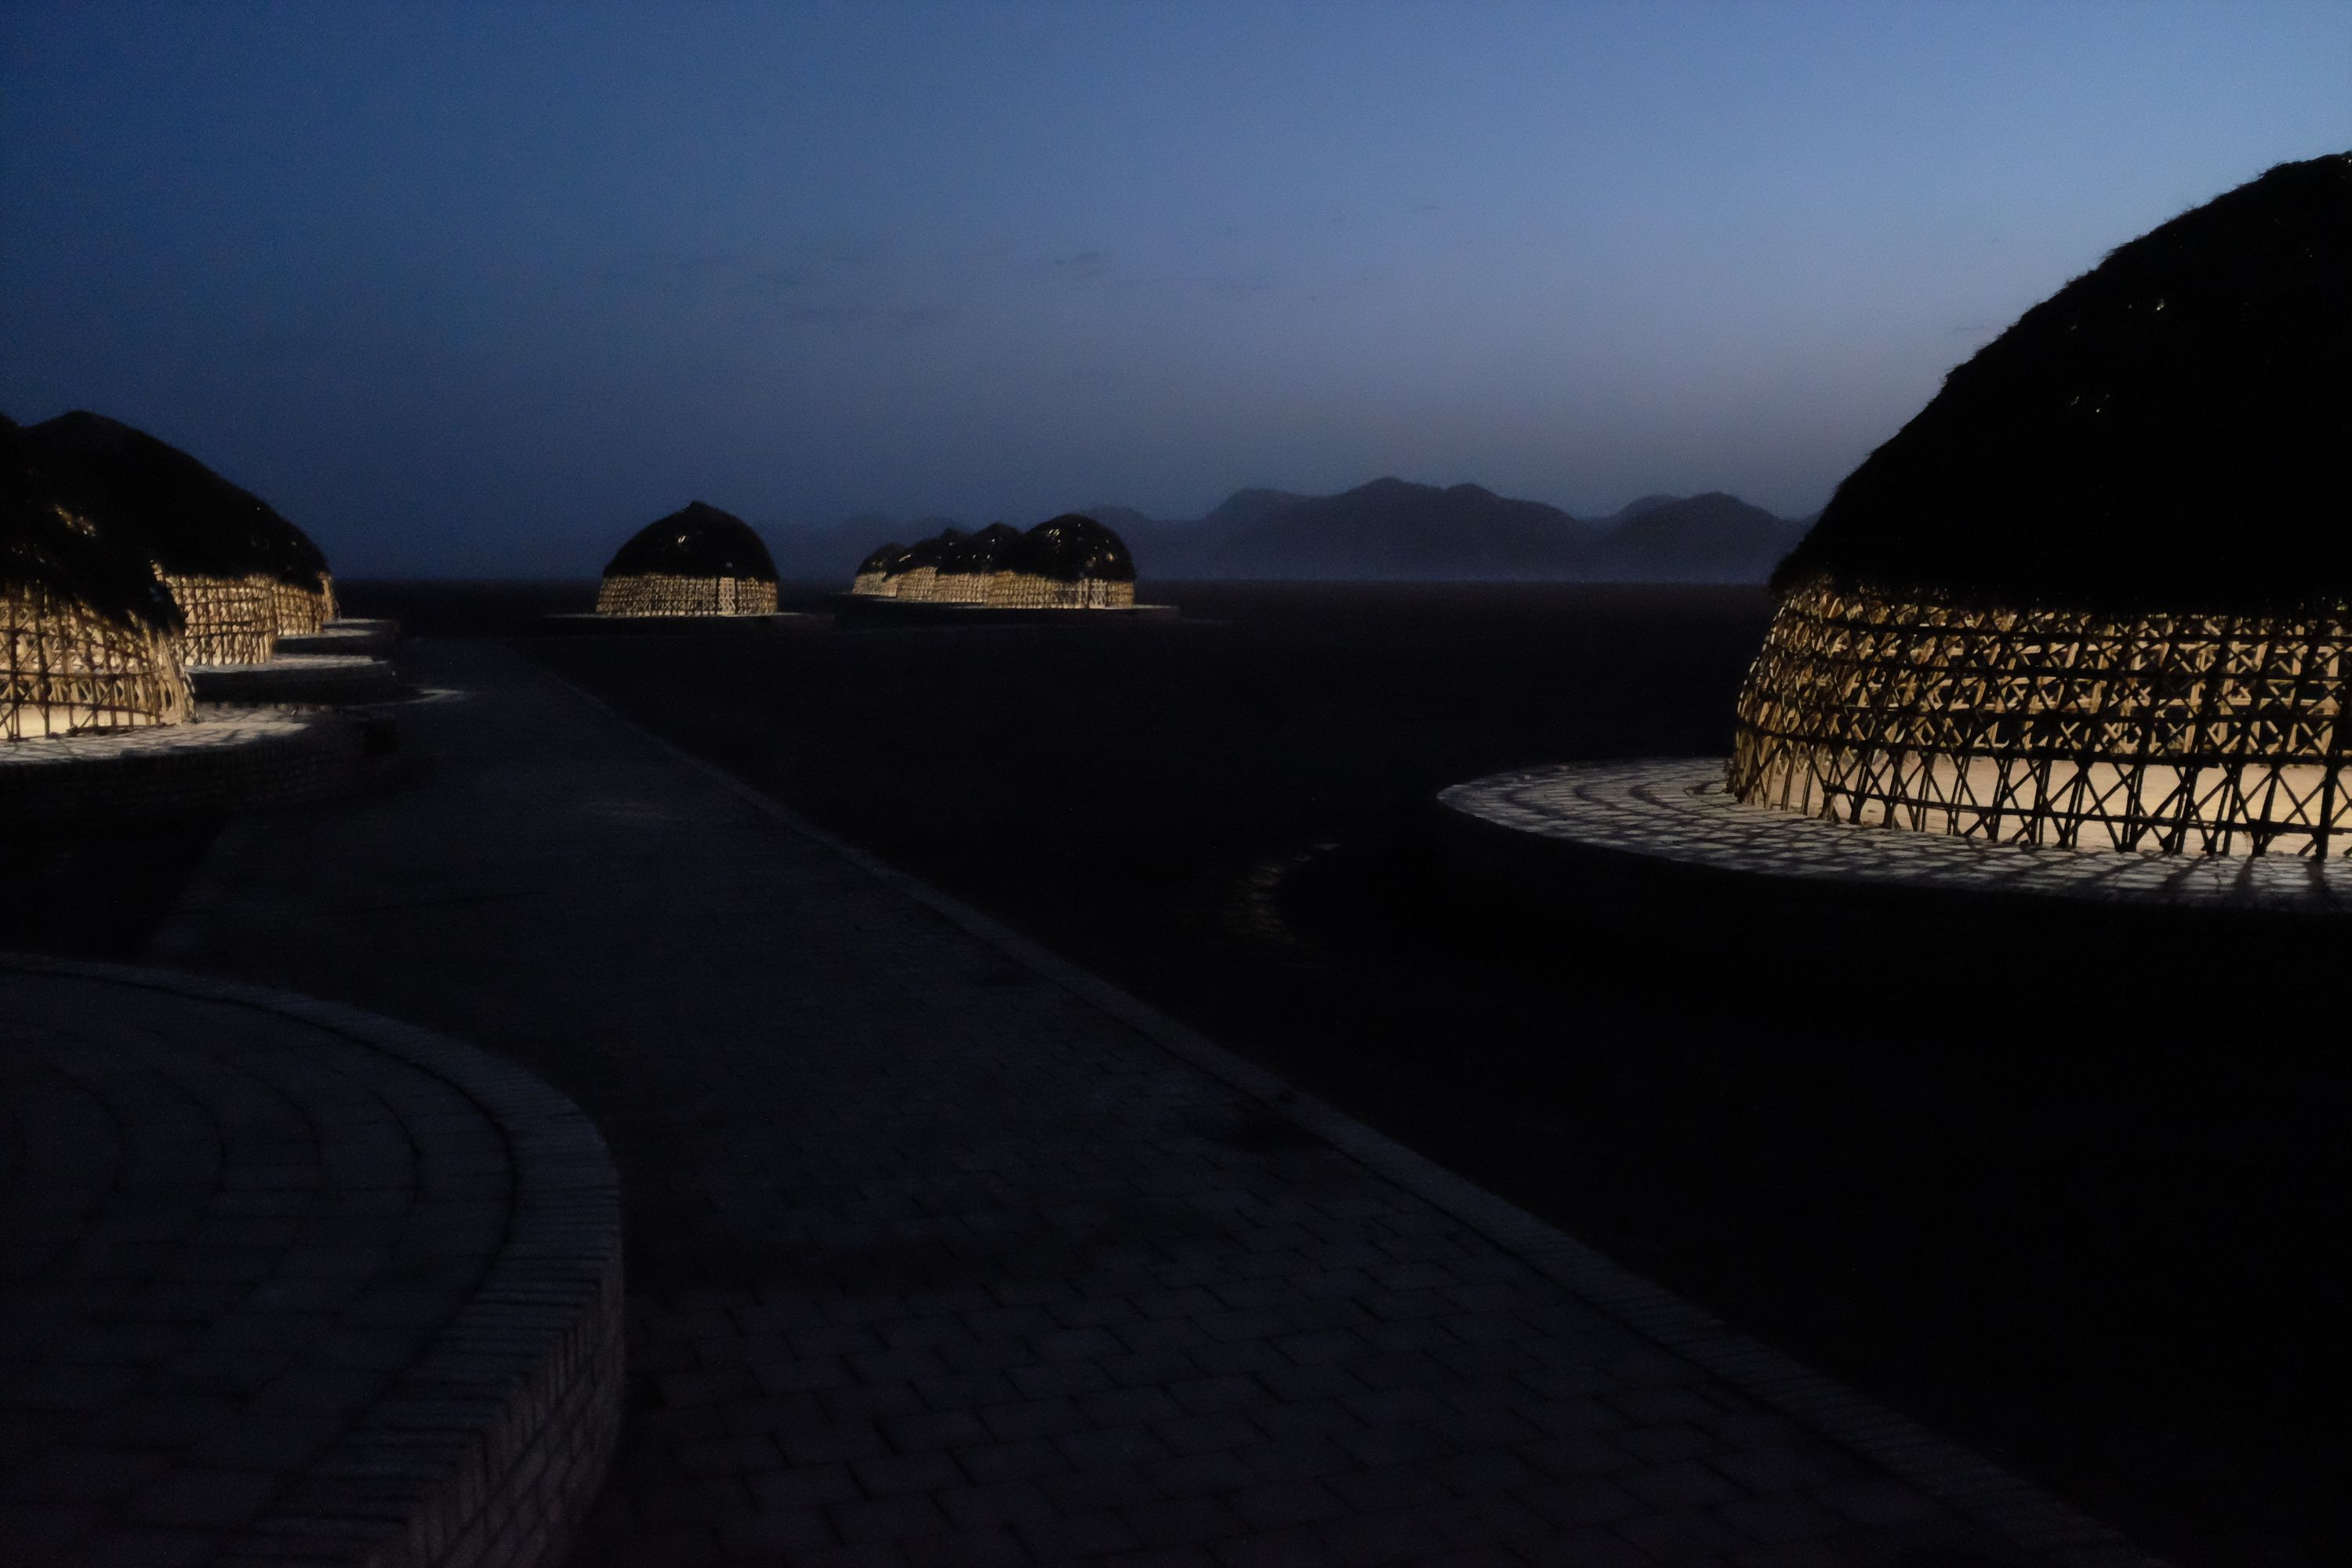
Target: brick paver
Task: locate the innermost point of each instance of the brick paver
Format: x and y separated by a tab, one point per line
940	1253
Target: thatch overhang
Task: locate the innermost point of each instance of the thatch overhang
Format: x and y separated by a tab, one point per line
240	570
697	560
2166	433
89	638
2098	592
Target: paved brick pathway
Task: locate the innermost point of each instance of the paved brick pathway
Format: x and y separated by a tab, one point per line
939	1252
281	1282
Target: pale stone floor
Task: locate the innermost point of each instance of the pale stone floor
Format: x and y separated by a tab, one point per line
938	1252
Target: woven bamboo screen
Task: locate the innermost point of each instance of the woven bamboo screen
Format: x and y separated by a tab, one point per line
2177	734
68	669
300	611
660	594
1030	591
231	620
874	586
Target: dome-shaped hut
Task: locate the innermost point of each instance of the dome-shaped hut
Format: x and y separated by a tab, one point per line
914	576
89	635
2098	592
1069	562
697	562
972	569
240	573
875	577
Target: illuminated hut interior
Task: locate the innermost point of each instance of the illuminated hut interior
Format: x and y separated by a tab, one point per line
697	562
1069	562
2098	592
241	575
88	635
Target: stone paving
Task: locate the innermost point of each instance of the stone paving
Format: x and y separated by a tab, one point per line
941	1251
1678	810
281	1282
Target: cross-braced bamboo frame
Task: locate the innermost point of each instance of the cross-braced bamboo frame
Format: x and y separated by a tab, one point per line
231	620
65	668
655	594
301	612
2197	734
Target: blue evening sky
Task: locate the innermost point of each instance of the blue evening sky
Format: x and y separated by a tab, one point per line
477	290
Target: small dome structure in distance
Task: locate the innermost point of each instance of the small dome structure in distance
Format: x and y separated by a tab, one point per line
2098	592
241	574
875	578
699	561
1070	561
972	568
89	638
916	572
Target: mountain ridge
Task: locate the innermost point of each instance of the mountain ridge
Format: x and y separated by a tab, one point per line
1394	530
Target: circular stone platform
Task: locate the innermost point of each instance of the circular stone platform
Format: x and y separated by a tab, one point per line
1662	842
319	680
371	637
284	1281
591	624
874	610
217	763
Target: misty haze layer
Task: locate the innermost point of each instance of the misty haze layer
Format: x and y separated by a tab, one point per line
479	291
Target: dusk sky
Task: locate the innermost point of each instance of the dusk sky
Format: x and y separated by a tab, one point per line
477	289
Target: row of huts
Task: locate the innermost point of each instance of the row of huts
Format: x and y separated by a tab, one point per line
1066	563
123	561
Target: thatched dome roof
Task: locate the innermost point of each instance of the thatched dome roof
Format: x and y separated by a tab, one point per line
881	560
190	521
1069	548
931	552
993	549
45	542
697	542
2167	432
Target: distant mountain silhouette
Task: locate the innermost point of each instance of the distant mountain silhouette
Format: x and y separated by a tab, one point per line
1391	529
1710	538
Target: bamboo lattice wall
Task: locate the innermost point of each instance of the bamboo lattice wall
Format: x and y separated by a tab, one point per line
68	670
1030	591
300	611
231	620
874	584
2177	734
660	594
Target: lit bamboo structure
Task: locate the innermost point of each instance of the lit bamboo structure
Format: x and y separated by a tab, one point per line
874	579
970	569
88	635
2034	616
699	561
242	574
1068	563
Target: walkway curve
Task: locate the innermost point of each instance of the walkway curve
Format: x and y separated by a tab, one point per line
286	1281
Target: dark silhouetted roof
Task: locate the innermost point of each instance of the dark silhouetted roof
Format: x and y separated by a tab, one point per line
881	560
2168	431
697	542
41	545
1070	547
931	552
191	521
992	549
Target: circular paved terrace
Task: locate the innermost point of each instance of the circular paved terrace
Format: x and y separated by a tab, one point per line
1662	843
219	762
321	678
283	1281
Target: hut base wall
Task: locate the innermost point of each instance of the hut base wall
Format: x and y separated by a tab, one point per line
654	594
68	671
231	620
2197	735
301	611
1024	591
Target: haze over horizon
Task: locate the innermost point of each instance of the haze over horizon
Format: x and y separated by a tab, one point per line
479	291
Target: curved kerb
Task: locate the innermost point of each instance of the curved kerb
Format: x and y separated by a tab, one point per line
488	1444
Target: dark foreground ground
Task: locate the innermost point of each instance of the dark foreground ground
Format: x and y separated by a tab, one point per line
2092	1222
